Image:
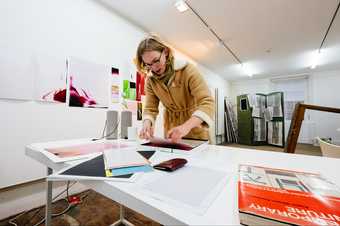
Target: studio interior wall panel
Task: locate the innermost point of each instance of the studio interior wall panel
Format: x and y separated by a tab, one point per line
16	75
78	28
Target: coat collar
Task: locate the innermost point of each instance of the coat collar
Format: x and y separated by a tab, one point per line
179	64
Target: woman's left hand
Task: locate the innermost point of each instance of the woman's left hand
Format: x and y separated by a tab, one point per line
176	133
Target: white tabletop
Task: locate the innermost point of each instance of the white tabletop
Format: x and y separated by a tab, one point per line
223	210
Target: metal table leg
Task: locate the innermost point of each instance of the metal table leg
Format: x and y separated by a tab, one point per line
122	220
48	214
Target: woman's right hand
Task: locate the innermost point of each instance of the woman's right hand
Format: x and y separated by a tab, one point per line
147	130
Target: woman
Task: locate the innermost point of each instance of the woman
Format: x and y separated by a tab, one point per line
189	108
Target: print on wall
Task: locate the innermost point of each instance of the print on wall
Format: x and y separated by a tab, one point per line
89	84
132	93
16	75
115	86
139	110
50	79
140	81
126	89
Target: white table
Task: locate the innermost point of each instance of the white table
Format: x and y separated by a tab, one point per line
224	209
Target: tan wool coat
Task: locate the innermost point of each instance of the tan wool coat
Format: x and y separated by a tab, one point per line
185	95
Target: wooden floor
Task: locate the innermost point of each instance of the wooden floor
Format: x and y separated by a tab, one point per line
94	210
97	210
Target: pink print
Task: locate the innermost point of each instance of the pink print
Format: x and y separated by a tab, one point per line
79	100
76	98
58	95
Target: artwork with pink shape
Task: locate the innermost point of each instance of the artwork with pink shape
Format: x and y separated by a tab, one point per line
50	79
88	84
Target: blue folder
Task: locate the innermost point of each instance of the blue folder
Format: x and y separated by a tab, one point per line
129	170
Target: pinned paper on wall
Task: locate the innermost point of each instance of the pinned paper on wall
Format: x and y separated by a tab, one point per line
115	86
132	95
139	110
17	75
50	79
88	84
140	81
126	89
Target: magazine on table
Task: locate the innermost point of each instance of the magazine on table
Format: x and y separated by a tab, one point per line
269	196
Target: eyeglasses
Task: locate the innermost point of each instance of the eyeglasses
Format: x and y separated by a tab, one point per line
155	62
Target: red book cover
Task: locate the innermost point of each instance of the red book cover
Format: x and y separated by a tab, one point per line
166	143
277	196
184	145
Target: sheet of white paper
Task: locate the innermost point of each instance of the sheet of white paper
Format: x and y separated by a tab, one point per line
50	77
117	158
190	187
259	129
255	112
274	101
89	81
268	114
251	99
275	133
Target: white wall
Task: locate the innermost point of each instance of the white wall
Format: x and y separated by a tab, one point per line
215	81
55	28
323	89
63	28
249	86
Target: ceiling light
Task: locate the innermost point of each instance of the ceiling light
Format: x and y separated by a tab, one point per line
315	59
181	6
246	70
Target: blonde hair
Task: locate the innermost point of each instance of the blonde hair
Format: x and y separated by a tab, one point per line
151	43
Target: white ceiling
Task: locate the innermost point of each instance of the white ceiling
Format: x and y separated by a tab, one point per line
271	37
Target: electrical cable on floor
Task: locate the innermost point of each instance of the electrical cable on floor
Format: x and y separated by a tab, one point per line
82	198
11	221
62	212
56	214
65	190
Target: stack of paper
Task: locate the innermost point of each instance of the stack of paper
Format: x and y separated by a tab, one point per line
124	161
